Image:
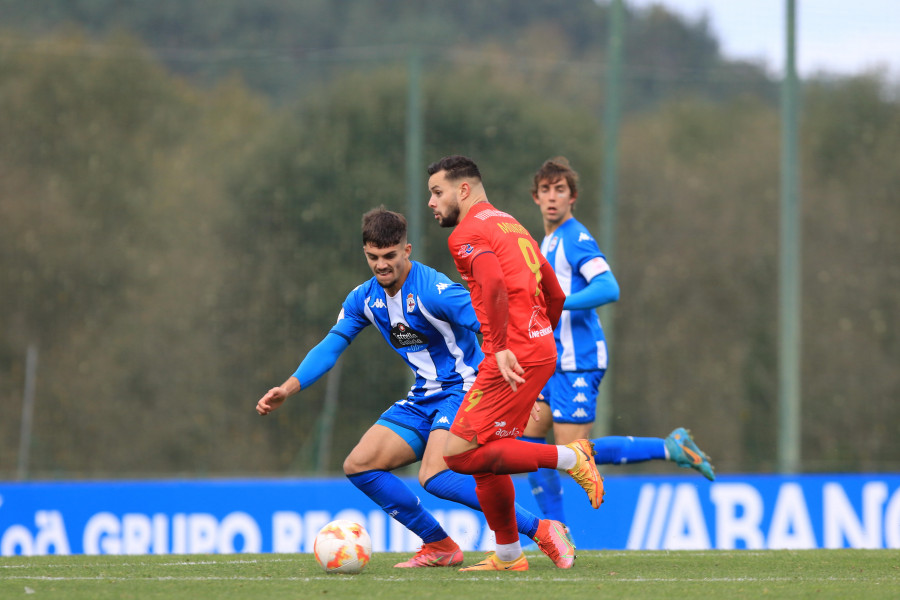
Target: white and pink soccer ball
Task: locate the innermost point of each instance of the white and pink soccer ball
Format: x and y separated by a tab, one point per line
343	546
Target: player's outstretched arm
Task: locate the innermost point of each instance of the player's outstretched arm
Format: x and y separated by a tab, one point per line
319	360
277	395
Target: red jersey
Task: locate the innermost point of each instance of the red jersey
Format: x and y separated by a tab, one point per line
486	229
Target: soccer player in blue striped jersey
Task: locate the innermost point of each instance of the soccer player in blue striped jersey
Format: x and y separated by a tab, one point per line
428	320
571	393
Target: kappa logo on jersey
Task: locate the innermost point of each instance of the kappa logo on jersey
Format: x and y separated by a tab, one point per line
441	287
444	420
500	423
580	397
580	383
464	250
379	303
583	237
557	414
410	303
580	413
404	336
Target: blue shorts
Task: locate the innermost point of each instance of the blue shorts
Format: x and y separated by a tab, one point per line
572	395
414	423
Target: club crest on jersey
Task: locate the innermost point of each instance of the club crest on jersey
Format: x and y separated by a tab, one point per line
404	336
410	303
464	250
553	242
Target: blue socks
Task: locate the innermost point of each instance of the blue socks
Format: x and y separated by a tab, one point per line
399	502
619	450
546	486
457	487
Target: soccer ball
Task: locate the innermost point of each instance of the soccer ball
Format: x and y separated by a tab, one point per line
343	547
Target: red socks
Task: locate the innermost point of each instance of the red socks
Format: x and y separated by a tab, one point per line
503	457
497	496
491	464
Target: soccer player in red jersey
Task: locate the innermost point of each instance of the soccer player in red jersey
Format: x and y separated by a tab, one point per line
518	301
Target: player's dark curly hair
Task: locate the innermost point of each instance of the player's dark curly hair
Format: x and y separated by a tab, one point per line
457	167
383	228
553	170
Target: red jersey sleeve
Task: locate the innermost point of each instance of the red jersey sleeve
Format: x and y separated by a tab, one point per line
554	295
487	272
485	238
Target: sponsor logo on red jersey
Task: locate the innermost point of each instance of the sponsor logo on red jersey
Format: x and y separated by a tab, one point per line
466	249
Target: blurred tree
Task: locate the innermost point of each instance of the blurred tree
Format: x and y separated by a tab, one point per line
697	263
852	274
273	44
174	250
104	241
327	161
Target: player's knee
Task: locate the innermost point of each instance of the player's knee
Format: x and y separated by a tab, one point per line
427	472
458	462
353	465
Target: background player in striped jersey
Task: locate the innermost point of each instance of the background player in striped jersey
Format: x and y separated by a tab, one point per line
518	302
429	321
571	393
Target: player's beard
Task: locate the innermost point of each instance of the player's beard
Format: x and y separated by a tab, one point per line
452	217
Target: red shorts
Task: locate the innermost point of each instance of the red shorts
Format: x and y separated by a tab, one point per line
491	410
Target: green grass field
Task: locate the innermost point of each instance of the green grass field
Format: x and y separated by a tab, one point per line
678	574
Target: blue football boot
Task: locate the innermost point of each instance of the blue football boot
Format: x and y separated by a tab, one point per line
685	453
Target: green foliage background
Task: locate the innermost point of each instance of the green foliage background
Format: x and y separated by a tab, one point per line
181	185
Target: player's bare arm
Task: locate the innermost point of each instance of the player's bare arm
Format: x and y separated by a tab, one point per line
276	396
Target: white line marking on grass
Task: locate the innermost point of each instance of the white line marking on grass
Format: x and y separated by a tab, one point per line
335	577
184	563
678	553
518	577
868	579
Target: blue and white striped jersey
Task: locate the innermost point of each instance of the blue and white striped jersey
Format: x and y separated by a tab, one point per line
430	323
576	259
